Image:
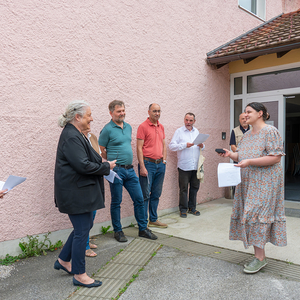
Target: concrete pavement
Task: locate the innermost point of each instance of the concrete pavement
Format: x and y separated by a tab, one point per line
192	259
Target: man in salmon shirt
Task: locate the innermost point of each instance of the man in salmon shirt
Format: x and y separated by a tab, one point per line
152	154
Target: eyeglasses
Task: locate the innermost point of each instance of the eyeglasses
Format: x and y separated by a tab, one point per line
156	111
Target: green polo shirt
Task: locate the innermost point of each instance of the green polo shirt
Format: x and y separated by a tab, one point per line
117	142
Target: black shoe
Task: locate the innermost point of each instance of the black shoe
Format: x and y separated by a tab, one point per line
120	237
94	284
147	233
58	266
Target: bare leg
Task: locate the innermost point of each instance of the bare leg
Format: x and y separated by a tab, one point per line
84	278
66	264
259	253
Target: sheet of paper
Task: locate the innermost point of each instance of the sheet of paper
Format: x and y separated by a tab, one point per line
12	181
228	175
1	185
111	176
201	138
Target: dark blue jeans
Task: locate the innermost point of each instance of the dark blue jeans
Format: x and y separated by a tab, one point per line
74	247
188	198
152	187
131	183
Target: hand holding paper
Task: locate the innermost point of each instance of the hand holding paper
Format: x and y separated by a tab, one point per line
111	176
228	175
11	182
2	192
201	138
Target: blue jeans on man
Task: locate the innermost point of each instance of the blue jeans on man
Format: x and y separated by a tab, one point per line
131	183
152	187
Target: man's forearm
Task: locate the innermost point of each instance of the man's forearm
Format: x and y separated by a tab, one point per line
103	152
139	151
164	150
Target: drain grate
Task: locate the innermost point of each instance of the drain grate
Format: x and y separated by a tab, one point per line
292	212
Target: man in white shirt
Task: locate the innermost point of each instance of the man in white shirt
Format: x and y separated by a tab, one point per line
188	156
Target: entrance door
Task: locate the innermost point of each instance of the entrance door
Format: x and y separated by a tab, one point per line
275	107
292	149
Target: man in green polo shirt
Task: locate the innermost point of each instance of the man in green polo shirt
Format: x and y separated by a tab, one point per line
115	141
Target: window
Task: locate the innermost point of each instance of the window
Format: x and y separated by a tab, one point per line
238	109
257	7
281	79
238	85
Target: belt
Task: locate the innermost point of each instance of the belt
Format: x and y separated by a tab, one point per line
125	166
156	161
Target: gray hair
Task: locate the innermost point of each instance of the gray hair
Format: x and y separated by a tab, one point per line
74	108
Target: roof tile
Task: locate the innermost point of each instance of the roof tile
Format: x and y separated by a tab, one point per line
282	30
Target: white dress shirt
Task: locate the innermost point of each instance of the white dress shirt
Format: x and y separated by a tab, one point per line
187	157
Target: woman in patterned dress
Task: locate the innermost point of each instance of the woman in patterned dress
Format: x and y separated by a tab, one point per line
258	207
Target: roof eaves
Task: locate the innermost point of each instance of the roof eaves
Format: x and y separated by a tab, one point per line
246	55
242	35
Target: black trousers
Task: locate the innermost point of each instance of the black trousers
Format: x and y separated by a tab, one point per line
188	187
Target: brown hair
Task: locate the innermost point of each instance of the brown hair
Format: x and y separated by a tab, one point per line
260	107
112	104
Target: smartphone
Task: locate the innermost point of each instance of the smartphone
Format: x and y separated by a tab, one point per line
220	150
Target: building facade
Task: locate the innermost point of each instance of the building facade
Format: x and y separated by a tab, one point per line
136	51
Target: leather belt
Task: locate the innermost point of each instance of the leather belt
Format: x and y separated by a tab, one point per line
156	161
125	166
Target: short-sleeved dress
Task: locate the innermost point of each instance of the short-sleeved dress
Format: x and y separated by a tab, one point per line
258	207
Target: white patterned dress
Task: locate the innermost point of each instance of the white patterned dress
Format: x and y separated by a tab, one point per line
258	207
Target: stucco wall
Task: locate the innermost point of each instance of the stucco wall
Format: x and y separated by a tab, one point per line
290	5
53	52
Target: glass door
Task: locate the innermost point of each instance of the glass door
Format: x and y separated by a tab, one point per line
276	108
292	149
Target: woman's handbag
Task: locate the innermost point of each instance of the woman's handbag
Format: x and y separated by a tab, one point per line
200	170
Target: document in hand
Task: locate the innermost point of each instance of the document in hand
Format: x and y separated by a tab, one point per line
111	176
228	175
11	182
201	138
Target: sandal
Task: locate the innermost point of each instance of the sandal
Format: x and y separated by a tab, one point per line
93	246
194	212
90	253
183	214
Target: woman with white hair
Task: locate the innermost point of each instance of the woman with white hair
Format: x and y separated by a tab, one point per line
78	188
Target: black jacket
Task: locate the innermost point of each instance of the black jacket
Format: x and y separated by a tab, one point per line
78	177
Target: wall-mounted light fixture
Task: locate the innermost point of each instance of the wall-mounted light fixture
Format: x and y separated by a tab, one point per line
223	135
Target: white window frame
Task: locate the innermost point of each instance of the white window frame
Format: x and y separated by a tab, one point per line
266	94
260	8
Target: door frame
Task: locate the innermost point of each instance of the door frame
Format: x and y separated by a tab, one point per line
281	114
277	95
266	95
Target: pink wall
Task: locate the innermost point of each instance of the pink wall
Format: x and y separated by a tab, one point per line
290	5
53	52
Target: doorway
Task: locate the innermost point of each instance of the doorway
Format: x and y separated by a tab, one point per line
292	147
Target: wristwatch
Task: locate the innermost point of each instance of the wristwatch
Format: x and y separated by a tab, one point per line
165	161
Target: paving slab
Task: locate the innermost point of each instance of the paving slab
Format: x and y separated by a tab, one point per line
176	275
212	228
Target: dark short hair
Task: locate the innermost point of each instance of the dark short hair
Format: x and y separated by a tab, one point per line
112	104
191	114
260	107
